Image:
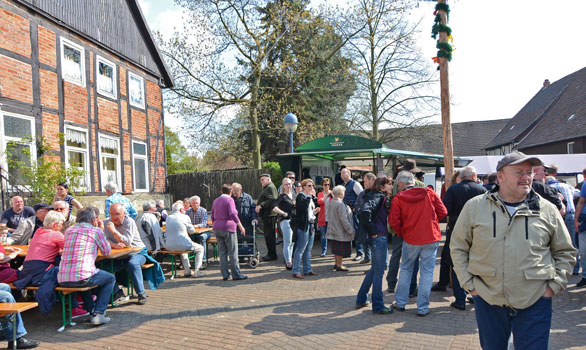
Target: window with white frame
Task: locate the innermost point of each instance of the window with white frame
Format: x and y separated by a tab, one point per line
136	90
110	160
18	135
570	147
76	151
106	77
72	62
140	166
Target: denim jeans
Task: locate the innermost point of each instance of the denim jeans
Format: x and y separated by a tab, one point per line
569	221
357	239
202	239
133	266
303	251
530	326
324	241
105	282
374	276
6	297
394	264
582	251
425	253
287	240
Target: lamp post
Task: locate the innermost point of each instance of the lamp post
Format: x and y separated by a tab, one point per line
291	126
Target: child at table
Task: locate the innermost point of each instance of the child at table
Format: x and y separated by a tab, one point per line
7	273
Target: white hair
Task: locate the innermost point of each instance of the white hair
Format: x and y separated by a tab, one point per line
467	172
161	202
405	177
52	218
177	206
148	205
195	198
64	203
111	186
338	190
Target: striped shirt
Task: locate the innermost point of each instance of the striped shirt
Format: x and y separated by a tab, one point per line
568	192
82	242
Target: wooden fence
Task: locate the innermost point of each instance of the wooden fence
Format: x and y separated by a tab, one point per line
208	184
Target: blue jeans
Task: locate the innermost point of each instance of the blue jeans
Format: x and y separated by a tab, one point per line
133	266
324	242
374	276
357	239
6	297
569	221
287	242
394	264
582	251
530	326
425	253
303	251
202	238
105	282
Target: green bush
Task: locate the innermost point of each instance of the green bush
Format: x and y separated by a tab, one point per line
275	170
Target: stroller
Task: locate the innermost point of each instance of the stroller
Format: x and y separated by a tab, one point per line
247	248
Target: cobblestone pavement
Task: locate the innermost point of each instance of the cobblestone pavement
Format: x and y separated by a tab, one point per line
271	310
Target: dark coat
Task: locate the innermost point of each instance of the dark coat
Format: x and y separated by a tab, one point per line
266	200
457	195
301	218
548	193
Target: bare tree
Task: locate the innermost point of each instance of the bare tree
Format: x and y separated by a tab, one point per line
395	80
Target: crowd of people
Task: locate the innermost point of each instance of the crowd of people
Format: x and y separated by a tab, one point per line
510	242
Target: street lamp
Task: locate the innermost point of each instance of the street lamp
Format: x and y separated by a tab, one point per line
291	126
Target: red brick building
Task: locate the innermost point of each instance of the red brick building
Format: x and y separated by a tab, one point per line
89	71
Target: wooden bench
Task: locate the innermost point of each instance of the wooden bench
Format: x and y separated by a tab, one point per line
64	294
12	309
213	241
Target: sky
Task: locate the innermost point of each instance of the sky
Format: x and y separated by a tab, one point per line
505	49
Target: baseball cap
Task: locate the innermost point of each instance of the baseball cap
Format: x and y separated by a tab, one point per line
517	158
40	206
265	175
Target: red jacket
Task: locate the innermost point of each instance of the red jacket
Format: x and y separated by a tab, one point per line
415	215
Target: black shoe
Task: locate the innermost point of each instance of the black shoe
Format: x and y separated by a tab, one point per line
142	299
225	278
365	261
269	258
240	278
439	288
470	300
23	343
423	314
397	307
458	306
582	283
120	296
342	269
391	290
360	306
203	266
384	311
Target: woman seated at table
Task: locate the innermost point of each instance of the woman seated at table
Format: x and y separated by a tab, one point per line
178	227
44	248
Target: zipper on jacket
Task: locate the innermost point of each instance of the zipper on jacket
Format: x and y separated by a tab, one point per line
526	227
494	224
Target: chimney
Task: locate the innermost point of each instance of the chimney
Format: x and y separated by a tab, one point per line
546	83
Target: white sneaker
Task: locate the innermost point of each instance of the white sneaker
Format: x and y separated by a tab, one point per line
199	274
99	319
187	274
358	258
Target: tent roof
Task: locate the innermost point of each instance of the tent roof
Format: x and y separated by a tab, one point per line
567	163
349	147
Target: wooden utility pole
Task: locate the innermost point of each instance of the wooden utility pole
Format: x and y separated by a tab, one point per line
445	101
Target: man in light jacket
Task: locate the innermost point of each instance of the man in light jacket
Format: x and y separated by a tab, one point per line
512	252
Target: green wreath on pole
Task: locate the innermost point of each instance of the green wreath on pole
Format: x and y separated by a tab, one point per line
444	49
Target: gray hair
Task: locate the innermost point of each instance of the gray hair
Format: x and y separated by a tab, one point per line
52	218
405	177
111	186
161	202
148	205
237	185
87	214
195	198
467	172
338	190
177	206
370	176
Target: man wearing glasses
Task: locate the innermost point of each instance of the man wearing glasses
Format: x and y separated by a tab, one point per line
511	250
